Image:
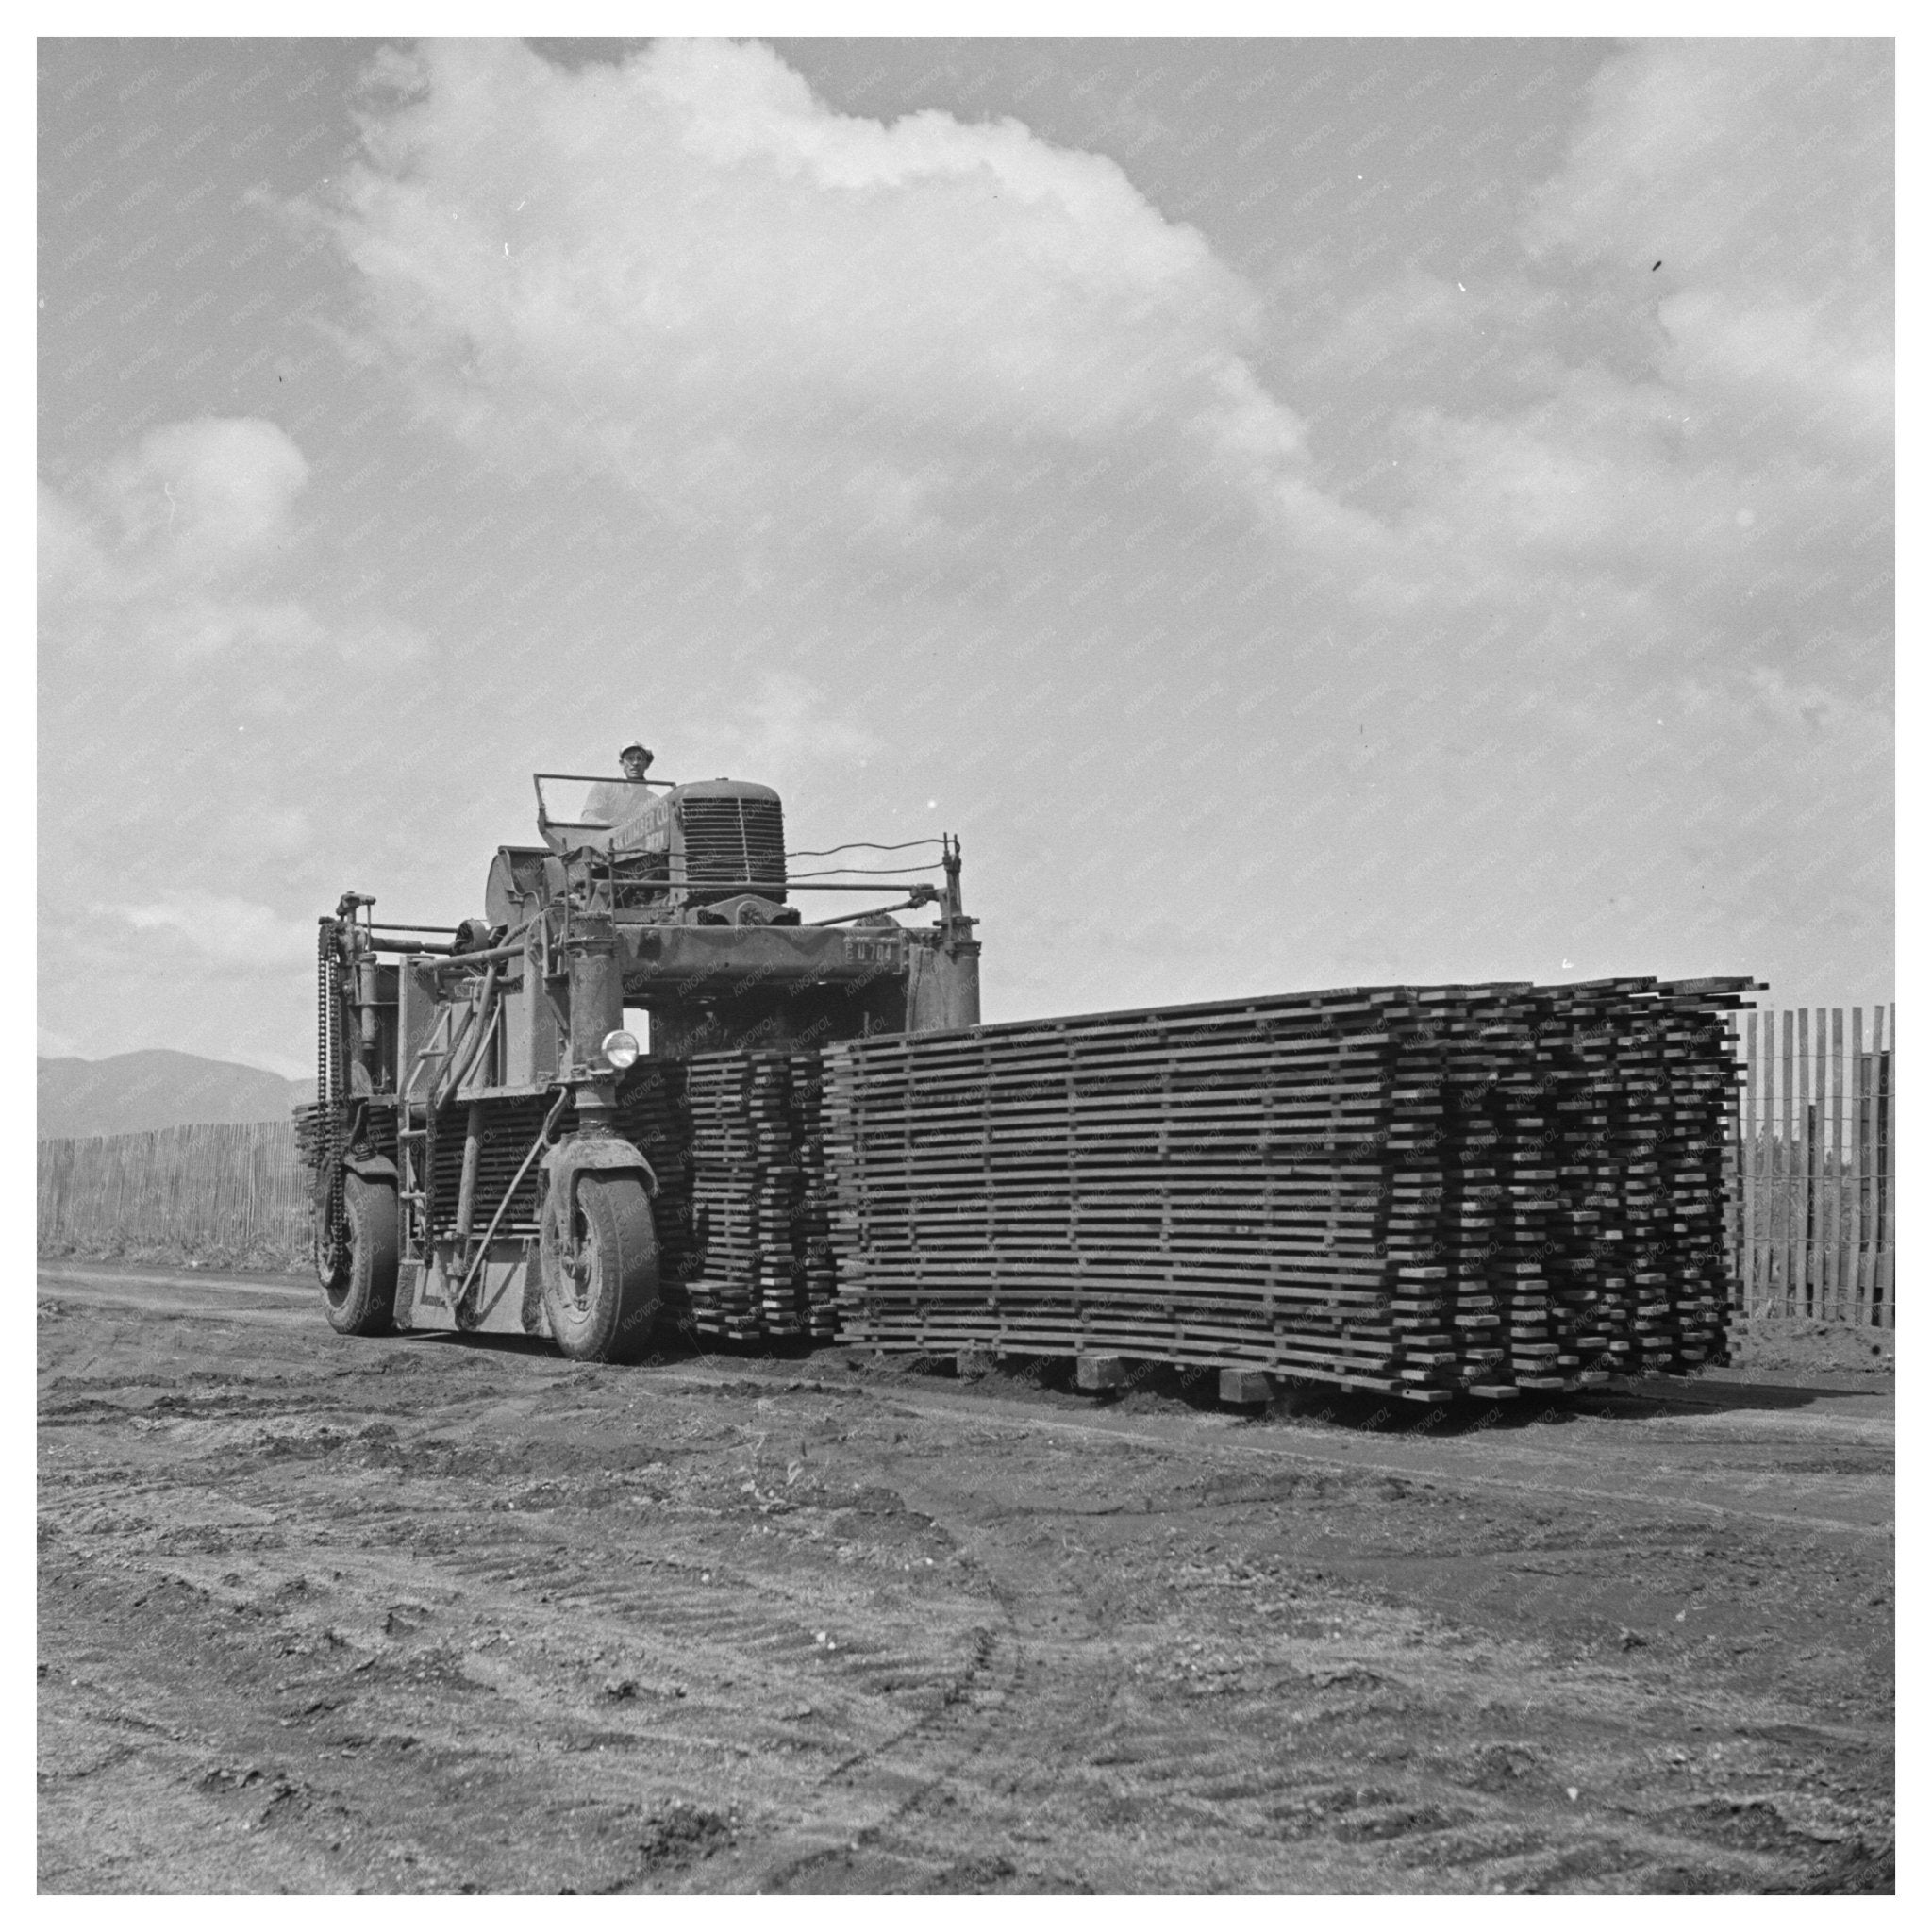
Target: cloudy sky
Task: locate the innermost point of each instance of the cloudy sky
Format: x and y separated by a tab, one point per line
1304	514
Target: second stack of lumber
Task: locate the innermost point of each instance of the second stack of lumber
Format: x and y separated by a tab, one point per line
1415	1190
734	1212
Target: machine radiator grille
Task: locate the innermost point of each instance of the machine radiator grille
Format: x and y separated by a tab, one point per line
734	842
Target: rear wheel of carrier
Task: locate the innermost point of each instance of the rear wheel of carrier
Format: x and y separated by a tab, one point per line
600	1275
358	1273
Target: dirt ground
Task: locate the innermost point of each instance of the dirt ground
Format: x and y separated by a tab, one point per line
421	1615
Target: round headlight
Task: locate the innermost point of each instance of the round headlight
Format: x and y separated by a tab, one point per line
621	1049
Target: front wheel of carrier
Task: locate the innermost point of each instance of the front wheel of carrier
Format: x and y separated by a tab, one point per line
357	1271
600	1274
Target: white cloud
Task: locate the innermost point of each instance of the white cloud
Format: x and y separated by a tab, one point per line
165	546
686	272
169	548
70	557
1728	205
192	504
1814	379
1758	163
1664	431
205	496
222	931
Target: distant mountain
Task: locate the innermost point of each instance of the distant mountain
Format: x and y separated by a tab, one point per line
131	1093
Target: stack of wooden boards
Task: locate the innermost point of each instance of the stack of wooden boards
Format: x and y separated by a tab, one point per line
740	1224
1414	1190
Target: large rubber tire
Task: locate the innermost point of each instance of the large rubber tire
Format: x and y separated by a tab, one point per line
601	1309
359	1295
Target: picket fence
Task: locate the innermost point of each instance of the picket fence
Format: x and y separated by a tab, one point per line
229	1193
1815	1164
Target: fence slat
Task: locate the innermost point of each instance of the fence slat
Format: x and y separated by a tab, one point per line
1814	1177
1787	1023
1880	1048
1794	1169
1834	1234
1854	1155
1760	1246
1801	1169
1773	1178
1888	1170
1747	1168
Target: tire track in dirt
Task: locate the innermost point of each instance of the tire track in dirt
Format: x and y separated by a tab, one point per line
933	1756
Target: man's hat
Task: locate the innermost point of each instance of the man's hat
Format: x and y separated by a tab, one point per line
642	751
